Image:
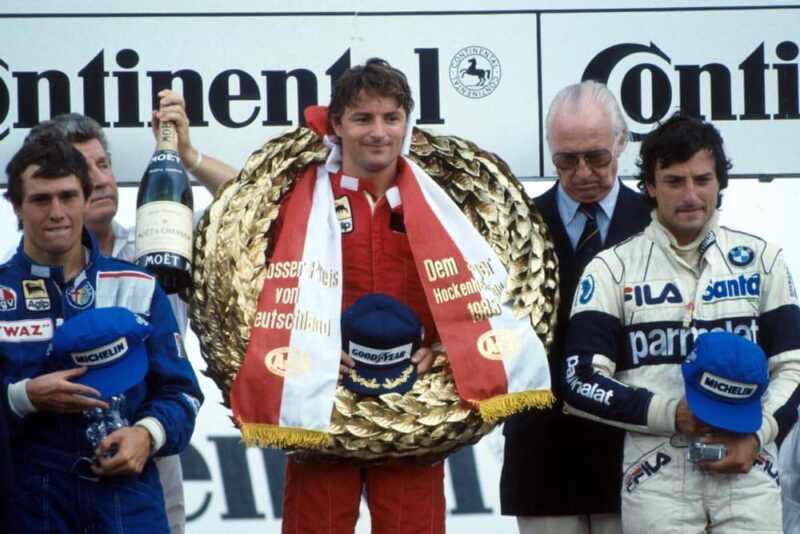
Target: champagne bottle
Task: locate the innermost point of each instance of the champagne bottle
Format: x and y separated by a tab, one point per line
164	216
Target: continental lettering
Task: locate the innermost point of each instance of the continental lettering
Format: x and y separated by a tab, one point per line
653	76
235	97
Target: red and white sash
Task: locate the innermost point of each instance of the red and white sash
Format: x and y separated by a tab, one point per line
283	393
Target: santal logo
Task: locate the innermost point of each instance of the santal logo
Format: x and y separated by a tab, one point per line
287	362
475	72
499	344
733	288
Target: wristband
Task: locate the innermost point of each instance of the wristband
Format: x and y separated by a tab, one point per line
197	162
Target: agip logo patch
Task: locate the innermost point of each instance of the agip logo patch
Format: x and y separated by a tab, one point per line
35	293
344	214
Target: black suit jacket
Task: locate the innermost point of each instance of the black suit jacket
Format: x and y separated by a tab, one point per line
558	464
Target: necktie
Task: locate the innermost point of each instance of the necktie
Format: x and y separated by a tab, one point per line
589	243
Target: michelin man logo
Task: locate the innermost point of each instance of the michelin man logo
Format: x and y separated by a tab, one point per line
586	289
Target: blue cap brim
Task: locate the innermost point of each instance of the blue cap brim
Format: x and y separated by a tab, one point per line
381	379
743	418
121	376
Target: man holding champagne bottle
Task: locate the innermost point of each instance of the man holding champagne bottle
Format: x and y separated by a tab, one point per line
86	135
58	273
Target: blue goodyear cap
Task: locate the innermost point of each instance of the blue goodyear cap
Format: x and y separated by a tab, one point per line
725	377
380	334
110	342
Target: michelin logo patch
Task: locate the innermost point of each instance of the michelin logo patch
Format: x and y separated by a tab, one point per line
101	355
741	256
586	289
733	288
8	299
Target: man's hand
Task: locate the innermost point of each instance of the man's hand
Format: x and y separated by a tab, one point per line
424	358
345	364
132	446
742	451
687	423
173	109
54	392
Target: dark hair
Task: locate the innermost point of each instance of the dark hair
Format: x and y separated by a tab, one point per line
675	141
55	157
376	78
73	127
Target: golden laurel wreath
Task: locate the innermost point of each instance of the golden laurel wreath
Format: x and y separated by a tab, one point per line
430	420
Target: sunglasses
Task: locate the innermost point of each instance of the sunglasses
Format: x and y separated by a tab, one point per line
594	158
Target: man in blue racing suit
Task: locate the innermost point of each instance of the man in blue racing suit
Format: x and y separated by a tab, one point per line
637	311
57	273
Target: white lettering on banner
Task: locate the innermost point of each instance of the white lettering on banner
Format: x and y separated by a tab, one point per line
591	391
677	342
27	330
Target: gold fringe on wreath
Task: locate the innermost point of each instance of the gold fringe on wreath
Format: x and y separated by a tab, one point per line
497	408
431	420
279	437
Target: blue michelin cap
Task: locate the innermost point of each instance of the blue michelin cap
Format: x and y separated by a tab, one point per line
380	334
110	342
725	377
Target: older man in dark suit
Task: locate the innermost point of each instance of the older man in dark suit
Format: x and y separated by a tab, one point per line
562	474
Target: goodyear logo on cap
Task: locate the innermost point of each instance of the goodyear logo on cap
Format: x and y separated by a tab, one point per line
102	355
372	356
727	388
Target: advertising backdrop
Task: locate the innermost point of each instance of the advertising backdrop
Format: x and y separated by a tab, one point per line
483	71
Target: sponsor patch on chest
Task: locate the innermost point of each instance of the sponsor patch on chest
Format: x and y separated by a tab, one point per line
26	330
8	299
344	214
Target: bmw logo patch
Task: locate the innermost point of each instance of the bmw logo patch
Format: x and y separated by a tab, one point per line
586	289
741	256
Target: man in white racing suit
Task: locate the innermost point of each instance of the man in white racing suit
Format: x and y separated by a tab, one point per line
637	310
